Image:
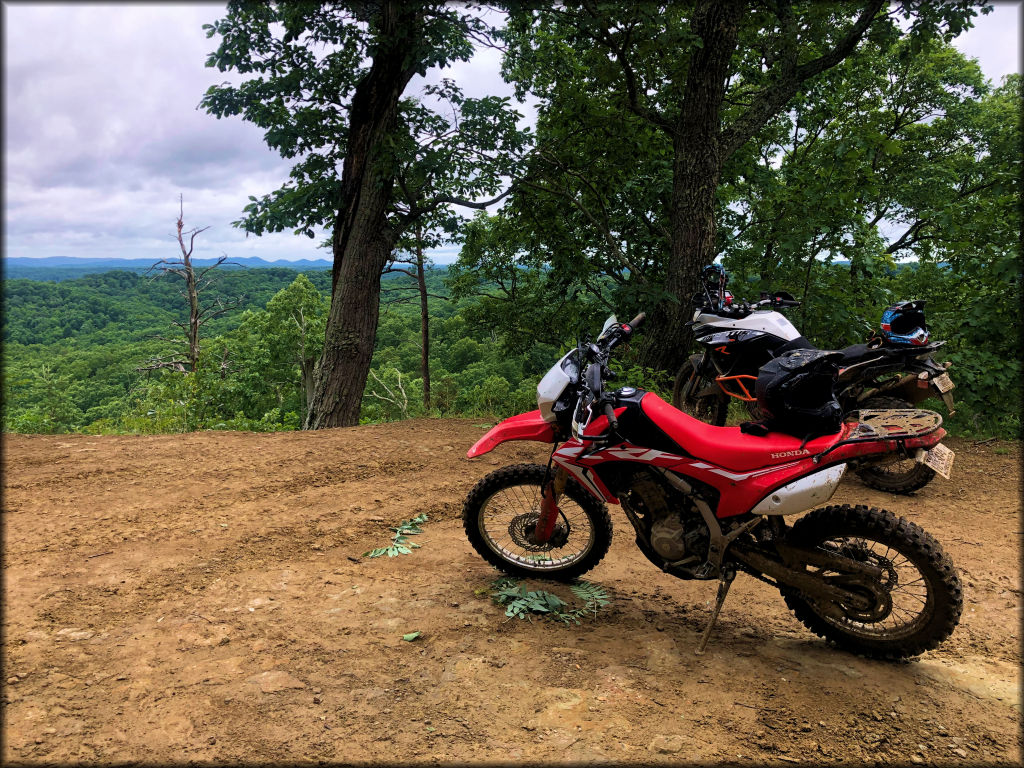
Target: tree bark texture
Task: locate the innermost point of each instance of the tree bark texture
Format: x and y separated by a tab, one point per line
308	367
362	239
696	170
192	292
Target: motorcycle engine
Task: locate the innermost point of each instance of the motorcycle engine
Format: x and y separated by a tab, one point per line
674	524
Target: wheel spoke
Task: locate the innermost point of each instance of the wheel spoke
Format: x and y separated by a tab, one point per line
511	513
908	605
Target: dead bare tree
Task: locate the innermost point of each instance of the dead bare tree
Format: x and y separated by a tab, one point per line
199	313
399	399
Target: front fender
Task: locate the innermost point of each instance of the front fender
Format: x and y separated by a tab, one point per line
525	426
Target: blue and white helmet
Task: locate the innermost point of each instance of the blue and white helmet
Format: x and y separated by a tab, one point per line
903	323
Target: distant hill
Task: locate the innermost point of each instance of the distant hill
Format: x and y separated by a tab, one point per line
69	267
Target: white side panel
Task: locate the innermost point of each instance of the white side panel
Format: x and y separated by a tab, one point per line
551	387
768	321
801	494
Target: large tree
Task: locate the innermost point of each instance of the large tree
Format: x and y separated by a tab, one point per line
706	76
326	82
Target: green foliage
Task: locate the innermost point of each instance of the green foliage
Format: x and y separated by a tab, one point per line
258	358
52	406
642	377
304	65
521	603
400	544
892	175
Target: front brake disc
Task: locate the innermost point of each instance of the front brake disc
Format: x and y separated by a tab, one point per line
523	529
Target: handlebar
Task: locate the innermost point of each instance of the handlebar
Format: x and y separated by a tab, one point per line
597	354
744	307
616	335
633	324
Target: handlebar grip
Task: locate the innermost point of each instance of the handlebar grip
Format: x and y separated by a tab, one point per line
636	321
609	413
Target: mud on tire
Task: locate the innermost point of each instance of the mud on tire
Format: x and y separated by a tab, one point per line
504	505
942	600
902	477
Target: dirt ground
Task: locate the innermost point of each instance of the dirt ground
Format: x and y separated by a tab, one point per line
202	598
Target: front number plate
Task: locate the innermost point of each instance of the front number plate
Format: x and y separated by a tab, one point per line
943	383
940	458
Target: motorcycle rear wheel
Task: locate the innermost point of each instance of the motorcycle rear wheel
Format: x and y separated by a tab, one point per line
502	509
923	589
711	409
902	475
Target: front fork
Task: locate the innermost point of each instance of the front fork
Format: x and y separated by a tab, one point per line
549	506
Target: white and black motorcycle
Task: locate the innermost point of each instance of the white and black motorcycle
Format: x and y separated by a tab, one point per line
895	370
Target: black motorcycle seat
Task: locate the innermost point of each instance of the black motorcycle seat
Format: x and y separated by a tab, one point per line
854	353
798	343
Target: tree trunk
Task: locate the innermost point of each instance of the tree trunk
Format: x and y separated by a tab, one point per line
696	170
362	238
308	367
193	316
352	323
421	280
768	263
192	292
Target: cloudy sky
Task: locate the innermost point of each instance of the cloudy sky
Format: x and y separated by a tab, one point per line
102	131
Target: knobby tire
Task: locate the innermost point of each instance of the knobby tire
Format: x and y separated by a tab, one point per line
941	608
530	477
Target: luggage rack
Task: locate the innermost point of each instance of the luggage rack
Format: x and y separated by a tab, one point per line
893	424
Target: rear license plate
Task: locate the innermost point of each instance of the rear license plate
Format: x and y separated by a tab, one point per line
943	383
940	458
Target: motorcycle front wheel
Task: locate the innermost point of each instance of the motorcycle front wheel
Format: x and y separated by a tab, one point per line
500	515
915	604
711	409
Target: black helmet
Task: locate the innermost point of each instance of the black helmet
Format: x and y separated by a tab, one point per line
796	394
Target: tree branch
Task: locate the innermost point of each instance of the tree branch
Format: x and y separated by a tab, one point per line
629	75
775	96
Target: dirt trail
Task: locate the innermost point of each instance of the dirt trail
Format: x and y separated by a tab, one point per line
201	597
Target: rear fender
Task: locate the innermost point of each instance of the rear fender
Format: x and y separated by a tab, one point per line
525	426
926	441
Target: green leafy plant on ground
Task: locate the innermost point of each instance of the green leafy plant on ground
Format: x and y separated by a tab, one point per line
522	603
400	544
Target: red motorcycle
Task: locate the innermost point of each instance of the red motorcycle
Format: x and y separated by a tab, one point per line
707	502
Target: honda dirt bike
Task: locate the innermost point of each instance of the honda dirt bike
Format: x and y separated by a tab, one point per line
736	339
708	502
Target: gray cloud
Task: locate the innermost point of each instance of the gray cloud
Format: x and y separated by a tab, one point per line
102	134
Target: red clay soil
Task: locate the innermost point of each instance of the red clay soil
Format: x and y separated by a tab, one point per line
202	597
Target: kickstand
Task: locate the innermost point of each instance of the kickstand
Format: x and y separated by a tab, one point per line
724	582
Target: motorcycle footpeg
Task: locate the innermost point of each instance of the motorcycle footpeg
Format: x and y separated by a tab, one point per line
706	570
